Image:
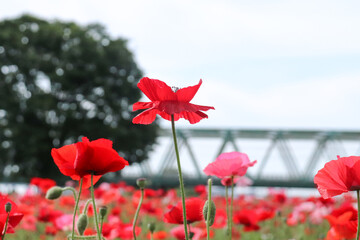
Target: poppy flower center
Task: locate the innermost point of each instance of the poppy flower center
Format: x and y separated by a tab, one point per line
175	89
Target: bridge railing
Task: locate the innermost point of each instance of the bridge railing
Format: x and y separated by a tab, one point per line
297	153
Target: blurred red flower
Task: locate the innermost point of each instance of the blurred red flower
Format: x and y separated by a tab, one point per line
42	183
201	190
194	207
14	216
80	159
166	102
345	225
338	176
248	218
179	233
158	235
229	164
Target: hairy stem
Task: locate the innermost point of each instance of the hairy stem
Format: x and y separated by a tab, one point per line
5	227
231	205
137	212
94	207
227	211
209	210
77	199
182	190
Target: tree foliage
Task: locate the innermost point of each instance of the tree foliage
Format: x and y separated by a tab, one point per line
60	81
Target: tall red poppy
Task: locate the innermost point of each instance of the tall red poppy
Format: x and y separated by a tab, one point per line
166	102
229	164
14	216
194	207
81	159
338	176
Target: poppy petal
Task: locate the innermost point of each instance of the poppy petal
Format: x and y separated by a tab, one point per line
64	158
175	215
142	105
156	90
188	93
146	117
90	158
113	161
333	179
102	142
15	218
194	117
81	163
87	181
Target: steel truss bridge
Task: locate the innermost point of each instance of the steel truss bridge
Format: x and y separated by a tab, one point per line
286	158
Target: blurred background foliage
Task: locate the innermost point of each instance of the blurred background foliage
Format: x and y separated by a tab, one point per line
60	81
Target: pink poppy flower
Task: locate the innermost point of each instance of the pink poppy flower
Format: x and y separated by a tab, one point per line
229	164
179	232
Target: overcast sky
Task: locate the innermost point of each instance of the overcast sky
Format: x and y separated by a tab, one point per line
264	64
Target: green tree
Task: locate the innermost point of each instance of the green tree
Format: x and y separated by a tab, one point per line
60	81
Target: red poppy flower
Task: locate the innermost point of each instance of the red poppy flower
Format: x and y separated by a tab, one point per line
344	225
194	207
248	218
338	176
81	159
229	164
14	216
166	102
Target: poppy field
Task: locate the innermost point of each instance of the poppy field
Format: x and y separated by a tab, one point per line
83	210
275	216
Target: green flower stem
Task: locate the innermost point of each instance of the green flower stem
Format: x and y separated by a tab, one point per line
209	210
182	190
94	206
86	206
101	224
76	205
151	236
5	228
231	205
358	208
137	212
227	210
71	189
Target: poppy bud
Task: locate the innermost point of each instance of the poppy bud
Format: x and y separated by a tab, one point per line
8	207
54	193
141	182
102	211
212	212
82	223
151	227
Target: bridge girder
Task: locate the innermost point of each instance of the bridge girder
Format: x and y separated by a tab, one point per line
328	144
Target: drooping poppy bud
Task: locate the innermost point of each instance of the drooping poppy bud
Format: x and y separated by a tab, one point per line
212	211
82	223
54	193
